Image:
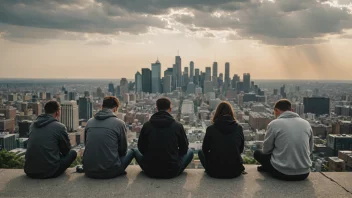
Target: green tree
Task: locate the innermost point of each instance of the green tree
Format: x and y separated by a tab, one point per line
78	161
249	160
9	160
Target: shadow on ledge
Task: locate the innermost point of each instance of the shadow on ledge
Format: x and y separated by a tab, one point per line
192	183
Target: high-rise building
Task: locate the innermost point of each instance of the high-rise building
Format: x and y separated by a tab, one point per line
191	88
178	71
317	105
69	115
215	74
48	96
197	76
138	81
85	108
111	88
156	77
235	80
207	74
118	91
185	78
123	86
339	142
100	93
246	82
37	108
208	87
146	80
23	128
71	96
227	76
191	71
167	86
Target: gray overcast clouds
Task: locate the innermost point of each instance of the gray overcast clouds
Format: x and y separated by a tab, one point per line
280	22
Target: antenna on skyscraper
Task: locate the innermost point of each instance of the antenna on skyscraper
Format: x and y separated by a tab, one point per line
178	52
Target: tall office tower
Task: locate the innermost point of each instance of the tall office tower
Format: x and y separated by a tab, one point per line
168	72
282	91
123	86
37	108
174	76
207	74
12	97
138	81
167	86
118	90
7	141
69	115
197	77
146	80
178	71
42	95
191	88
215	74
156	77
246	82
235	80
86	94
208	87
85	108
191	71
111	88
185	78
317	105
252	86
227	75
100	93
71	96
48	96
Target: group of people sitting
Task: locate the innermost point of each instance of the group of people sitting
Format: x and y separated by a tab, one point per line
163	150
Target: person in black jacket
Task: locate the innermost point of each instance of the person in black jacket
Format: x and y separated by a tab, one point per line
49	151
223	144
163	144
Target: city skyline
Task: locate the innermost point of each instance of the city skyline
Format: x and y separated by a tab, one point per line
113	39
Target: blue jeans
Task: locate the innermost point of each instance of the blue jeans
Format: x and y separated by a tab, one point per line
127	159
185	159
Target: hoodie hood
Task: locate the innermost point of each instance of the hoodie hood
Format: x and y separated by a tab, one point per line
104	114
226	124
161	119
44	120
288	114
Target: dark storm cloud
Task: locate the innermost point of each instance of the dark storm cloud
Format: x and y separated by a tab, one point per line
282	22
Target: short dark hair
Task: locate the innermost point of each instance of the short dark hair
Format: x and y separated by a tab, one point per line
51	107
163	104
283	105
111	102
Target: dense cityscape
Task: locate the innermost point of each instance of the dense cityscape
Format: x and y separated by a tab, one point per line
195	95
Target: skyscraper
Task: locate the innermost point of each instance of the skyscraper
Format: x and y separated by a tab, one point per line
197	77
178	71
246	82
37	108
111	88
168	72
146	80
191	71
185	79
123	86
215	74
235	80
227	75
317	105
138	81
69	115
85	108
207	74
156	77
167	84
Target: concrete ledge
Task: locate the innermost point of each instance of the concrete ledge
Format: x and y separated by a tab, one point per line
192	183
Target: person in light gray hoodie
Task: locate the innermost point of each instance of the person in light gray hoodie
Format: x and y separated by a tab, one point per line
288	145
49	151
106	154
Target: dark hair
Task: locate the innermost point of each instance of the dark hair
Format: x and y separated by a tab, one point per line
163	104
283	105
51	107
111	102
223	109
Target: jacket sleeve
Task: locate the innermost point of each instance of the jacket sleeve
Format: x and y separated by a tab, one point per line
269	140
143	139
242	139
182	142
206	142
311	141
122	144
64	141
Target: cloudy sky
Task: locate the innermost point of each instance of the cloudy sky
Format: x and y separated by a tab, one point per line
271	39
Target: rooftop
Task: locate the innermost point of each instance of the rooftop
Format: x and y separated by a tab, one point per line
192	183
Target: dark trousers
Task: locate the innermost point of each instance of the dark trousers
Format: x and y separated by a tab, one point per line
202	159
65	162
185	159
125	161
264	160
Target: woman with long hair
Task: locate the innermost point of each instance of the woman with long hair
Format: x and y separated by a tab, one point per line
223	144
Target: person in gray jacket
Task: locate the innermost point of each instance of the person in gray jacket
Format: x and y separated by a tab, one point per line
49	151
288	145
106	154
